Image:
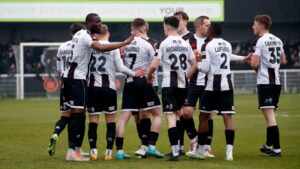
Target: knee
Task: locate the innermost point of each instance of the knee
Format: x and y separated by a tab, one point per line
187	113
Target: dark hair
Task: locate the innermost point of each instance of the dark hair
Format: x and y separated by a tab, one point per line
89	17
216	29
265	20
75	27
200	20
172	21
182	14
138	23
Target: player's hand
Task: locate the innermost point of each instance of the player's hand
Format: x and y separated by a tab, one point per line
150	79
140	72
248	58
198	56
130	39
122	51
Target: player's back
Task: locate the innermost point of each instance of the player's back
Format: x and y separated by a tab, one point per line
218	51
175	53
103	67
269	48
81	53
139	54
63	54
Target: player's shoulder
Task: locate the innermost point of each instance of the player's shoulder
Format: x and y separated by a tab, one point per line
65	45
188	35
145	42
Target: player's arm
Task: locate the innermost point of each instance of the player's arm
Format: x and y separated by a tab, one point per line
192	69
255	62
123	69
203	66
282	56
153	67
108	47
282	59
256	55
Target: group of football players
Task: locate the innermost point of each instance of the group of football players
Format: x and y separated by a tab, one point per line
194	67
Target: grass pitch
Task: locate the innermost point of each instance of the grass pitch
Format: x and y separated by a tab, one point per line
26	126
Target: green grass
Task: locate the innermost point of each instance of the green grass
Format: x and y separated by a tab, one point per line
26	126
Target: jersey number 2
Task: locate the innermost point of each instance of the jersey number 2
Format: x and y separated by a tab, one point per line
100	68
182	59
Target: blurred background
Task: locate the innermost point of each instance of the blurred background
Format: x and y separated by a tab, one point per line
47	25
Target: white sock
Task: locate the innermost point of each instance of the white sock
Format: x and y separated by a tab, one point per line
108	152
94	151
207	147
71	152
277	150
194	139
181	147
120	151
201	150
55	135
268	147
175	150
229	150
152	147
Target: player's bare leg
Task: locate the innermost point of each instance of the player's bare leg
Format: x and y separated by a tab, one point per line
110	134
173	136
190	127
120	130
229	134
272	134
92	135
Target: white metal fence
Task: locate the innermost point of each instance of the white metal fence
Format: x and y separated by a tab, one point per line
244	81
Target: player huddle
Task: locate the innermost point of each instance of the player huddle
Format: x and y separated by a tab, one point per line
195	67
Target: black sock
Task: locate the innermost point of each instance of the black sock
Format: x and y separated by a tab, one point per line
146	124
269	136
139	130
173	136
190	127
92	134
153	138
229	134
110	134
210	132
76	125
275	137
61	124
119	143
180	130
82	132
202	136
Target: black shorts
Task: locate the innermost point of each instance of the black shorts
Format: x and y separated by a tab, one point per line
268	96
77	93
64	97
155	88
101	99
220	102
139	95
173	99
193	94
